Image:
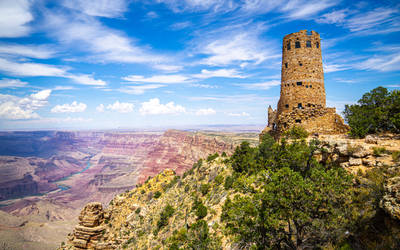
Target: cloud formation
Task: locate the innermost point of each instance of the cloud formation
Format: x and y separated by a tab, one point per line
208	111
74	107
14	18
154	107
121	107
17	108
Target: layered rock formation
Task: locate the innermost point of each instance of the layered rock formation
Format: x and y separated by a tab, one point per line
178	150
90	229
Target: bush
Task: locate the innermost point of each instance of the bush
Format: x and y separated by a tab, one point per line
212	157
204	188
228	182
377	111
157	194
201	211
396	156
378	151
223	154
165	214
138	210
218	180
296	132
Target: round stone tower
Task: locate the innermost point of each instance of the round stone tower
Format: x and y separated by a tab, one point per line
302	81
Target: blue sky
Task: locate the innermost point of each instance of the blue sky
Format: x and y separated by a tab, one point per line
108	64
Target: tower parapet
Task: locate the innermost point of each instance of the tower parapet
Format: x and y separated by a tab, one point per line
302	99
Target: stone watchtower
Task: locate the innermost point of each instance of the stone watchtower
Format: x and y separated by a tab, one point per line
302	101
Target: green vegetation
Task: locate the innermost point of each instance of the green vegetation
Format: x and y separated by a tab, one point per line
165	214
157	194
377	111
297	203
396	156
204	188
378	151
212	157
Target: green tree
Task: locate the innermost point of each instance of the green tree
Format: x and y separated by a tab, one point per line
243	158
377	111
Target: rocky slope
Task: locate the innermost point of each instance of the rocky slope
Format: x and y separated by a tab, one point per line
102	164
163	208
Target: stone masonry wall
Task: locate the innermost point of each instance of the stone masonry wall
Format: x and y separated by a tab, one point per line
302	101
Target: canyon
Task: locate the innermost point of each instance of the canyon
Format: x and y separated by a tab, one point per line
47	177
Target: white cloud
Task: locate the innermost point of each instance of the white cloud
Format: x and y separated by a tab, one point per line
205	86
239	114
14	17
63	88
208	111
140	89
169	68
236	48
104	44
32	51
374	19
12	83
337	16
156	79
381	63
180	25
328	68
17	108
74	107
154	107
261	85
86	80
199	5
100	108
121	107
29	69
303	9
102	8
152	15
228	73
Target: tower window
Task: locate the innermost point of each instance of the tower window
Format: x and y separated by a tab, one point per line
300	64
299	106
288	46
298	121
317	44
299	83
287	106
286	65
308	44
310	86
297	44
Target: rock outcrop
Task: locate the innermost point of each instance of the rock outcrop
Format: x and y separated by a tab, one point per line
90	229
391	200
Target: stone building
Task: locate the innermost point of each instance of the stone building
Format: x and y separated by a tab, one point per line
302	99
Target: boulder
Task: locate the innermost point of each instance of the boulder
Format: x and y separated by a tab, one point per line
391	200
371	139
355	161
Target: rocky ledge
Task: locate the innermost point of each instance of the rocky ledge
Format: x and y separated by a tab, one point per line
86	235
391	200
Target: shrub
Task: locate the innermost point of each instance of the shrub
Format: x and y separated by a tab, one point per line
201	211
187	188
204	188
223	154
378	151
396	156
218	179
157	194
243	158
165	214
212	157
296	132
138	210
228	182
